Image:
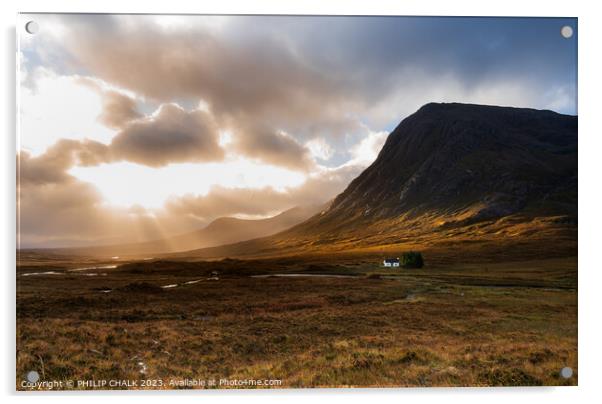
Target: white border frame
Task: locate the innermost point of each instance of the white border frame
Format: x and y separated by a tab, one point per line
590	223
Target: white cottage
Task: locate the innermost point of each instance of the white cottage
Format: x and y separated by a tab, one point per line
391	262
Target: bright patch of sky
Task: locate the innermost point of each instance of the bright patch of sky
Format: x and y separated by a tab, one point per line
58	107
125	184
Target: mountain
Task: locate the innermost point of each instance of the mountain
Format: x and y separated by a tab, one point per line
451	173
224	230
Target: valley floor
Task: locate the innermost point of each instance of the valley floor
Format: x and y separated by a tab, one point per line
477	324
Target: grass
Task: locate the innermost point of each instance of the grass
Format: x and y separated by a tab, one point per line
477	324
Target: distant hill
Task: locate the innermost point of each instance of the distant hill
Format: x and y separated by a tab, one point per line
451	174
221	231
226	230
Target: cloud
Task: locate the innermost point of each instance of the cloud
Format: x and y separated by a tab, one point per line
312	77
52	166
170	135
247	79
58	107
57	209
73	213
239	77
68	205
319	148
272	147
366	151
118	110
258	65
237	74
51	203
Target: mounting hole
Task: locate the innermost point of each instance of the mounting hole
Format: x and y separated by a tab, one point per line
33	376
566	31
32	27
566	372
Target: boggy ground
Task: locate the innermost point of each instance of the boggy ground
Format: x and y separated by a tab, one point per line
477	324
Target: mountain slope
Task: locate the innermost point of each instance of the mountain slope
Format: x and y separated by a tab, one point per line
467	163
452	173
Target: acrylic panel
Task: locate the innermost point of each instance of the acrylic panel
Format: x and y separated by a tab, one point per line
241	202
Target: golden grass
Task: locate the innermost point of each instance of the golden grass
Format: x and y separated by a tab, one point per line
465	325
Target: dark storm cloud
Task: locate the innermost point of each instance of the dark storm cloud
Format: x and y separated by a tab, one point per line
253	61
472	48
411	57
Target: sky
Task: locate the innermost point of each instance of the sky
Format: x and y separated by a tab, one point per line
137	127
